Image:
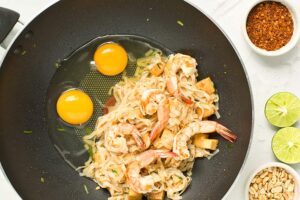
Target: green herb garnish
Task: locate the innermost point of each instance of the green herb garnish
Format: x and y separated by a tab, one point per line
28	132
90	151
86	189
229	146
61	129
114	171
180	23
23	53
88	130
57	64
179	177
42	180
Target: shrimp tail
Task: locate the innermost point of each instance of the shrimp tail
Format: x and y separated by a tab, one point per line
226	133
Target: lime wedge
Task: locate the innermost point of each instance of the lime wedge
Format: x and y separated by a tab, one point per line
282	109
286	145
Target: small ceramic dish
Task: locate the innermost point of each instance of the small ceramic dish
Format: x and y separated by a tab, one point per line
287	168
296	33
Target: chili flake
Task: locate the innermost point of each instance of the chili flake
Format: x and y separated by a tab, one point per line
270	25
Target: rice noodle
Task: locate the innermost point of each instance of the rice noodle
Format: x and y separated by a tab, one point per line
108	168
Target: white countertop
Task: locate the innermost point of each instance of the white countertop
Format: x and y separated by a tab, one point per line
266	75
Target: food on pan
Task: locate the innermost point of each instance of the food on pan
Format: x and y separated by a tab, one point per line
74	107
148	141
110	59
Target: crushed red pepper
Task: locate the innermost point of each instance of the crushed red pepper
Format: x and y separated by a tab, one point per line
270	25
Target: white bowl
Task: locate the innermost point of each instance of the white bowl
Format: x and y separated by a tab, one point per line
296	34
281	165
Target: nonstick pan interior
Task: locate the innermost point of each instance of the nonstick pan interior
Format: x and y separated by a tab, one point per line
79	71
29	66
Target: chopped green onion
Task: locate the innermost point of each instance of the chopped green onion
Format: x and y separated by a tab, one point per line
28	132
90	151
179	177
57	64
114	171
86	189
23	53
99	102
88	130
229	146
61	129
180	23
42	180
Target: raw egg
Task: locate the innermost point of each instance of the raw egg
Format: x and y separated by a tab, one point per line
74	107
110	59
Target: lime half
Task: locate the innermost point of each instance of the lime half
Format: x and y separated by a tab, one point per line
283	109
286	145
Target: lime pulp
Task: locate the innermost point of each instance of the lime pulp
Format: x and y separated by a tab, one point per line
286	145
282	109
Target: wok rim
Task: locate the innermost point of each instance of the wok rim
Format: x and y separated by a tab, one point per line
250	90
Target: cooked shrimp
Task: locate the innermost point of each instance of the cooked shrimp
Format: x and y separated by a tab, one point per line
172	85
180	61
154	114
115	140
180	141
152	101
144	184
176	62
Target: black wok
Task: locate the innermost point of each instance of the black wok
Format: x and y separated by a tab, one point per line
30	64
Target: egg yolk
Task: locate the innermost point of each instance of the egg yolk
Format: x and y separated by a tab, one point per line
110	59
74	107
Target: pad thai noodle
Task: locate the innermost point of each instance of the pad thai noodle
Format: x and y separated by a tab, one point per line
147	142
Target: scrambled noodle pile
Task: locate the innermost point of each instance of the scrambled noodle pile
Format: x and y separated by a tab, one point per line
147	142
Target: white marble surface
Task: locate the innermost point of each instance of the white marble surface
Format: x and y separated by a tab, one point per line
266	75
